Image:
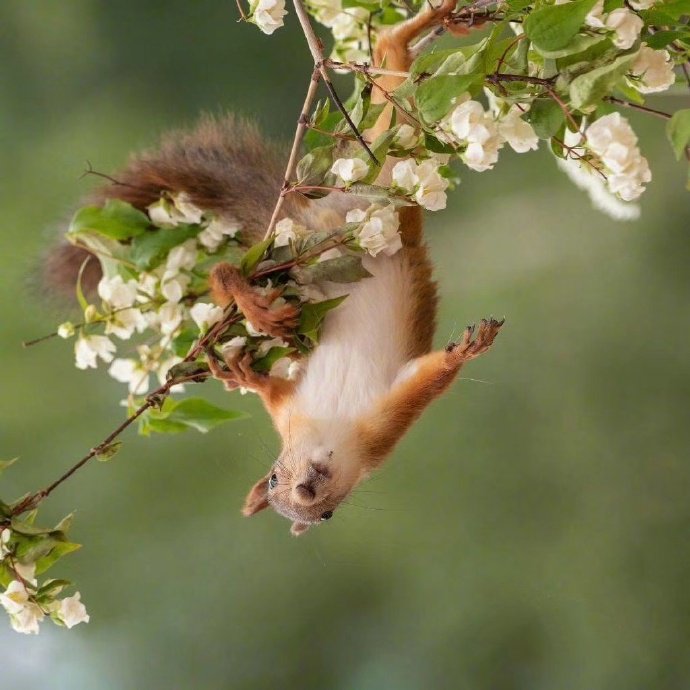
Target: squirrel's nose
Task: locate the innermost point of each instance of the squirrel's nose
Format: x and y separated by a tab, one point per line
304	493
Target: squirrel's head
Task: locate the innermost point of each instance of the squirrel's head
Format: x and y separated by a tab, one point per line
316	469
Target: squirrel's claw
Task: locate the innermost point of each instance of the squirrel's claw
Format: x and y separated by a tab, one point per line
468	348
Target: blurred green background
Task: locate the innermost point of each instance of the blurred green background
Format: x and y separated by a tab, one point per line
531	532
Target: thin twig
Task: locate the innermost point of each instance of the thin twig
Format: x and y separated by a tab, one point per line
642	108
90	171
302	122
153	399
316	50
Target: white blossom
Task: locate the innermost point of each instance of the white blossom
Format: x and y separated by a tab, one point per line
431	186
379	231
169	212
626	25
125	322
252	330
216	231
26	621
5	536
234	346
268	14
205	315
132	372
285	231
148	285
471	126
189	213
404	175
653	69
350	170
116	293
595	17
406	137
423	180
15	597
174	288
326	11
519	134
168	318
72	611
180	258
265	346
88	348
349	23
66	329
615	143
355	215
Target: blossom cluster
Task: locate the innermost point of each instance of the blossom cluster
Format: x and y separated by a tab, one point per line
26	602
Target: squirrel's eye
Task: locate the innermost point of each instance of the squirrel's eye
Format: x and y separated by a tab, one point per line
273	481
327	515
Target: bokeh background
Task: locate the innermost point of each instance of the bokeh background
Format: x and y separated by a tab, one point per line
531	532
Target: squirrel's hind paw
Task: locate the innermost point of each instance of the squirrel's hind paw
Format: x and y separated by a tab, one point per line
469	347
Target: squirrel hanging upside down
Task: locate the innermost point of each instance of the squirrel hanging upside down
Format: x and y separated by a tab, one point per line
373	372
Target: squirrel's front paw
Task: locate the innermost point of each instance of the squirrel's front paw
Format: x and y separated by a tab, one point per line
266	316
468	348
239	373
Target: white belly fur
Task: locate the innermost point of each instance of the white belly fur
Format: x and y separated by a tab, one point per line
363	344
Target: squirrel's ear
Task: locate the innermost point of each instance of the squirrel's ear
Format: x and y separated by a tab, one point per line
298	528
257	498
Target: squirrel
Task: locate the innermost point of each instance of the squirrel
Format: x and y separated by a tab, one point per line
373	371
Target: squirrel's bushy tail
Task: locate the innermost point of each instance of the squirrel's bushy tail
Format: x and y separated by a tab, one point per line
225	166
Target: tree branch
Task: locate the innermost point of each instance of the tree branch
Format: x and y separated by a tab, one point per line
316	50
302	122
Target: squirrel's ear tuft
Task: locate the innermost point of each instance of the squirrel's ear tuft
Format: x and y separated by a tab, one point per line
257	498
298	528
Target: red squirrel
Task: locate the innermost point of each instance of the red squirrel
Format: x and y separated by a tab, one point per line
374	371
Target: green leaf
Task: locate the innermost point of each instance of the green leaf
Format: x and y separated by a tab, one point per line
313	314
34	548
313	167
182	344
343	269
109	451
190	413
254	255
150	248
52	588
661	39
436	96
590	88
263	365
6	575
60	549
553	26
433	144
678	131
116	219
546	118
